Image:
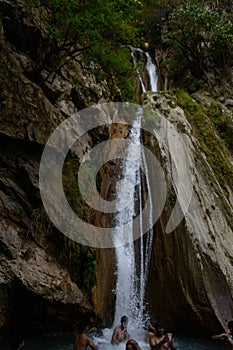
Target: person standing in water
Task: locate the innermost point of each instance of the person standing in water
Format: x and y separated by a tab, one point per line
160	341
150	330
120	333
82	340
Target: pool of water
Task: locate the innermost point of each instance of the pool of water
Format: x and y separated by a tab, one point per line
103	342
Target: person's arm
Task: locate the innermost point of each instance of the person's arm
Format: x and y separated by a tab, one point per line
92	329
151	328
171	345
91	344
114	335
126	335
219	336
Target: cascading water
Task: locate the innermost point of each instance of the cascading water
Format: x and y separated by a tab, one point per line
132	264
150	68
134	51
152	72
131	279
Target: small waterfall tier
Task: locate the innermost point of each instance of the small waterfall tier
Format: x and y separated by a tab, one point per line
148	77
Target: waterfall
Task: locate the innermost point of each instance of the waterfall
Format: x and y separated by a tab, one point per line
152	72
134	50
132	269
150	68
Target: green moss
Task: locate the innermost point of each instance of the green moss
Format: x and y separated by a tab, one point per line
221	119
204	120
80	260
172	197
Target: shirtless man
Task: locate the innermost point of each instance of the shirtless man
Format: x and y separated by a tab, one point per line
150	330
120	333
82	340
226	336
160	341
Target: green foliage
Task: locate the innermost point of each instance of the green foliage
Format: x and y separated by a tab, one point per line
223	123
91	30
201	35
80	261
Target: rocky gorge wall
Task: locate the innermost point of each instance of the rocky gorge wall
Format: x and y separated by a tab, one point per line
35	287
190	281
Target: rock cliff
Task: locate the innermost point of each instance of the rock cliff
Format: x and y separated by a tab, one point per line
31	108
190	282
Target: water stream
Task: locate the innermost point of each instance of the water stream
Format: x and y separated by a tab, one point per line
132	264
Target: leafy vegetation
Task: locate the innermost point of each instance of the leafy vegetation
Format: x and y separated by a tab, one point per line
195	36
201	35
87	31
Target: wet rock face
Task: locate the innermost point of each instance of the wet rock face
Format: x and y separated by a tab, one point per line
32	107
27	268
190	283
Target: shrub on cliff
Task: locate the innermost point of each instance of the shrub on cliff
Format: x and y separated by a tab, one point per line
202	36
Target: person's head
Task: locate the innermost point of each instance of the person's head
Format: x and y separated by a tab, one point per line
82	327
124	321
230	326
131	344
159	329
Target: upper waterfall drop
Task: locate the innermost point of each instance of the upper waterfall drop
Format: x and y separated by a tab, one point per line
152	73
150	68
134	50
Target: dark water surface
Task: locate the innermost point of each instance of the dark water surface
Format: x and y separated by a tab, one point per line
66	343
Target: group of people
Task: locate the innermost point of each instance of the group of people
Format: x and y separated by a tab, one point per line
155	336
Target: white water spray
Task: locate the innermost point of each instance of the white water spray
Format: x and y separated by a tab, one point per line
132	268
152	72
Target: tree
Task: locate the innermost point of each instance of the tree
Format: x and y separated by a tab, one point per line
201	35
76	27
